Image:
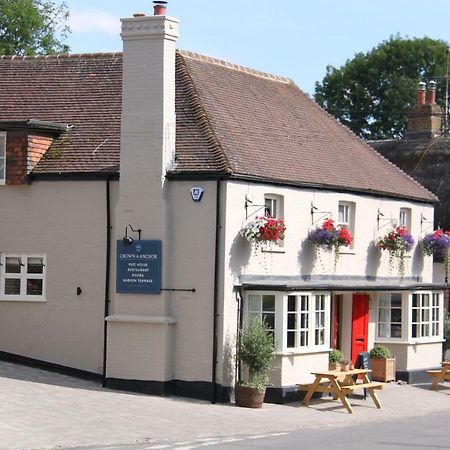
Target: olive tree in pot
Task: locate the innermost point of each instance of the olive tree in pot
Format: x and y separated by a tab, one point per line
256	351
383	364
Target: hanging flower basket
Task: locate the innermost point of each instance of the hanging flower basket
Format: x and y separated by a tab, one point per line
398	242
330	237
263	230
438	243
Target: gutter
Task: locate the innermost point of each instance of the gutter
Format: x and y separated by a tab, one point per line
216	295
107	277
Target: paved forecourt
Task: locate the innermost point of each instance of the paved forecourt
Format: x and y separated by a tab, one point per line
41	409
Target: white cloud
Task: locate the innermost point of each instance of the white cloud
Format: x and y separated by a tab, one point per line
94	21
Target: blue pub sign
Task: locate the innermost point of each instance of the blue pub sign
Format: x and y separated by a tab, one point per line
138	267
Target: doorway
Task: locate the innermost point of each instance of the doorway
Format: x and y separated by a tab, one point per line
360	325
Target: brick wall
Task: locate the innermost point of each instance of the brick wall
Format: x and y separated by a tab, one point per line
16	157
23	152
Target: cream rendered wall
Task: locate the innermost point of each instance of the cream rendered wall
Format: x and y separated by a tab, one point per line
66	220
413	356
292	259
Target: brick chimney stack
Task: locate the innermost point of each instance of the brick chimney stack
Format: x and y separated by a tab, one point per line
425	117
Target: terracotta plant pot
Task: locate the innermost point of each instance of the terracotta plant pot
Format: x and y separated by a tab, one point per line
334	366
345	366
249	397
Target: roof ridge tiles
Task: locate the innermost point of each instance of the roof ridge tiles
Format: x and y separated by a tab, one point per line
230	65
61	56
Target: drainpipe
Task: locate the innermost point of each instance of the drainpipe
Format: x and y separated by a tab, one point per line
107	276
216	295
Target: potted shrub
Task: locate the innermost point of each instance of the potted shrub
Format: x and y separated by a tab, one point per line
383	364
256	352
334	359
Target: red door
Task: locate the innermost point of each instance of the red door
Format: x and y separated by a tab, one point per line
360	324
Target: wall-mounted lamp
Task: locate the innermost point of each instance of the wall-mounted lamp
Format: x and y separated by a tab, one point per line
128	240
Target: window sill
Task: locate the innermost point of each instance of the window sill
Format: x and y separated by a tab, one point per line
295	352
273	250
21	299
435	340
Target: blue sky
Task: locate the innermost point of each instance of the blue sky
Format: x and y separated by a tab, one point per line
293	38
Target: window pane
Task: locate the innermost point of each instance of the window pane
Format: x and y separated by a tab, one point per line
383	330
291	339
292	321
425	330
415	315
396	330
303	338
425	315
12	286
426	300
384	301
34	287
254	303
35	265
2	146
13	265
268	303
2	168
415	329
415	300
396	300
383	315
292	300
319	337
304	303
303	321
269	319
396	315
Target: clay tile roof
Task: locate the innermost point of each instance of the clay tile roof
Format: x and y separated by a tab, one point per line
230	120
268	128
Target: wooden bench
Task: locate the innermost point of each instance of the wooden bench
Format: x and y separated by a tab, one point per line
371	385
440	375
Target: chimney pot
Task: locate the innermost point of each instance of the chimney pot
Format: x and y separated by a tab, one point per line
431	92
159	8
421	87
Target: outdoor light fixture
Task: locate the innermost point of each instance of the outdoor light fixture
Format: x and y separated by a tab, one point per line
128	240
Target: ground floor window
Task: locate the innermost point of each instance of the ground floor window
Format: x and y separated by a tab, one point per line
299	320
22	277
410	316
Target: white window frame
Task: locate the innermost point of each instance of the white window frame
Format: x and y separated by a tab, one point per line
404	315
3	158
276	206
281	320
404	218
311	346
23	276
348	221
427	311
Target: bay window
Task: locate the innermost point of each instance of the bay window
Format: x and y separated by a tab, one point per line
426	314
298	320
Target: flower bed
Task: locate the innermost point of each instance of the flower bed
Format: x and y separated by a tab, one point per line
397	242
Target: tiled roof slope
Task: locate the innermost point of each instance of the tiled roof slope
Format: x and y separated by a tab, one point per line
269	128
428	161
229	120
81	90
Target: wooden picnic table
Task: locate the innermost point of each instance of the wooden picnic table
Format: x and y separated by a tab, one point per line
440	375
340	384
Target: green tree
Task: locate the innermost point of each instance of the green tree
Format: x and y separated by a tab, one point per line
29	27
372	93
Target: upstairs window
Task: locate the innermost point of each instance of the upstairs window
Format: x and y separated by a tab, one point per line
2	157
273	206
346	218
22	277
404	219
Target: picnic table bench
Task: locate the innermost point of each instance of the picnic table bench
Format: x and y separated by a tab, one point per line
340	384
440	375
